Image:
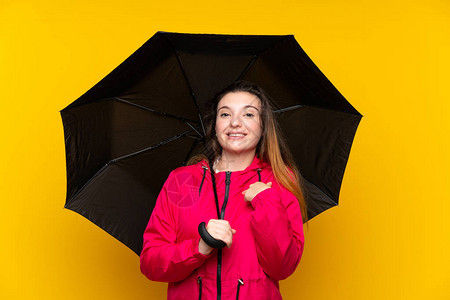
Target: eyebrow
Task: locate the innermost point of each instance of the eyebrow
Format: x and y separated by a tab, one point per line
247	106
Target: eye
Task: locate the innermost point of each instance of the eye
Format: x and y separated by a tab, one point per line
224	114
249	115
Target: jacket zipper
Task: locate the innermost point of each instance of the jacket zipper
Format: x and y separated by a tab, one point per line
199	281
240	282
227	191
219	253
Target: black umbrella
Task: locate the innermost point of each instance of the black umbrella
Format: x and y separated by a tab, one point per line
144	119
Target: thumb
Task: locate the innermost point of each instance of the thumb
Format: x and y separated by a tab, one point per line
233	230
269	183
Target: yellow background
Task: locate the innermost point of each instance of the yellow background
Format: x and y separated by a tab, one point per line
388	239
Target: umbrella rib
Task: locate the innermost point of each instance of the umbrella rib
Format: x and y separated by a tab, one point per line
199	134
281	110
69	201
327	196
250	64
155	111
247	68
151	147
180	63
123	157
293	107
194	137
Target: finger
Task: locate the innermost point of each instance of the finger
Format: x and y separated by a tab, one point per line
217	231
219	234
211	221
229	241
217	222
223	223
269	183
218	225
224	230
225	236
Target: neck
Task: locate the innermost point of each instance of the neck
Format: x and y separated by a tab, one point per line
234	161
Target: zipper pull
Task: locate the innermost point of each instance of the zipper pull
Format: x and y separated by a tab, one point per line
259	174
199	281
228	178
240	282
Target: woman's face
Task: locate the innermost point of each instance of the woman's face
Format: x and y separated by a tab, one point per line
238	122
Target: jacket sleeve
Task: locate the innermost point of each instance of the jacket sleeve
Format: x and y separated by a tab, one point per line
163	258
277	227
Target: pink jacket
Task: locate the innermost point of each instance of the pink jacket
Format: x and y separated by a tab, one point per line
266	248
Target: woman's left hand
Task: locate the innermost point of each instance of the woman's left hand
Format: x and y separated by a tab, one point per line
254	189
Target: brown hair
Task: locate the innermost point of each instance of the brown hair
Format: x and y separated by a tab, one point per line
271	148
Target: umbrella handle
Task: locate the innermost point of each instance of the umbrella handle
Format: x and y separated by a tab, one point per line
212	242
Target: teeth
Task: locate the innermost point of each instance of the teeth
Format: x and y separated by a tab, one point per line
236	134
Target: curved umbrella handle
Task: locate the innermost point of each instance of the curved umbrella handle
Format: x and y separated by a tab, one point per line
212	242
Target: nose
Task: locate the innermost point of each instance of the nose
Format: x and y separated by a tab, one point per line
236	121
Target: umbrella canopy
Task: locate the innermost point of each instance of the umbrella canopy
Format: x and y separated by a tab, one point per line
144	119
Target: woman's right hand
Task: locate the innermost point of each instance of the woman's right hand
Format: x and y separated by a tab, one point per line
220	230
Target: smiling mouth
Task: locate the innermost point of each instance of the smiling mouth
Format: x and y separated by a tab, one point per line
236	134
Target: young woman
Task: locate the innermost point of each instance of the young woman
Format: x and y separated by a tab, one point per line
250	199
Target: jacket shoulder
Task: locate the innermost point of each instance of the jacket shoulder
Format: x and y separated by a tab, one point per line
193	170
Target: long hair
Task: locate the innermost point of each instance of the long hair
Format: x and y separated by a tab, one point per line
271	148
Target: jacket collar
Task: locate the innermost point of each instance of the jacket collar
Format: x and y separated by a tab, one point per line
257	163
